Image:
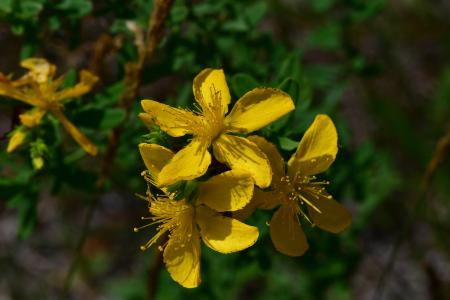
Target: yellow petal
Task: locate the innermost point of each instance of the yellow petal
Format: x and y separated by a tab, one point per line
275	159
286	232
211	90
7	89
240	153
224	234
183	262
40	69
87	81
228	191
333	216
16	140
190	162
155	157
32	117
176	122
258	108
76	134
317	149
263	200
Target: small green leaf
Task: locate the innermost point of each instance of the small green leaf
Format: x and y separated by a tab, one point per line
327	37
255	12
292	87
238	25
287	144
76	8
6	6
111	118
179	13
242	83
290	68
321	6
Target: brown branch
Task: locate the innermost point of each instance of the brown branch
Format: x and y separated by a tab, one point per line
441	149
132	81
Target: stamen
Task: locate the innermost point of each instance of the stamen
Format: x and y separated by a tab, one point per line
309	203
174	217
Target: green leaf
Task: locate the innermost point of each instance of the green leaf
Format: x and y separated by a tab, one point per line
242	83
29	9
76	8
179	13
26	204
287	144
112	118
238	25
255	12
292	87
367	9
290	68
321	6
6	6
327	37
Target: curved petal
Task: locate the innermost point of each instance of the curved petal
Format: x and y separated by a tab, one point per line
32	117
275	159
333	216
7	89
286	232
229	191
190	162
155	157
17	139
317	149
183	263
40	69
175	121
263	200
258	108
76	134
223	234
268	200
87	81
240	153
211	90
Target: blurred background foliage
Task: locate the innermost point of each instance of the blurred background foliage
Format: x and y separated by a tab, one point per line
379	68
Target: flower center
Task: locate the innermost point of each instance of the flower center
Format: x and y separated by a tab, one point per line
174	217
304	191
213	114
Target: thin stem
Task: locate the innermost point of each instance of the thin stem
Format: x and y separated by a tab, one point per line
441	149
133	73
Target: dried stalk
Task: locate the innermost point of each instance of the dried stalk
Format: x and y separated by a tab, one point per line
441	149
133	71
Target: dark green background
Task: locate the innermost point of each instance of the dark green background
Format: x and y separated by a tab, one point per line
379	68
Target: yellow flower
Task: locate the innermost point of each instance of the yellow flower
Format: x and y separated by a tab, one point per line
210	126
18	137
186	223
38	88
298	192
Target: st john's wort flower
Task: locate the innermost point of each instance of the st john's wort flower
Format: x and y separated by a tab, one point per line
39	89
211	125
299	193
187	221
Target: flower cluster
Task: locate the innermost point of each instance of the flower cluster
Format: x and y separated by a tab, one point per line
39	89
217	203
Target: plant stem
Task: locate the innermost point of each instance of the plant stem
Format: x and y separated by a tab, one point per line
133	71
441	149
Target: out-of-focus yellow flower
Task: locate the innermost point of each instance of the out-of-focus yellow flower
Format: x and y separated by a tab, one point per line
38	88
210	126
17	139
298	192
187	222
